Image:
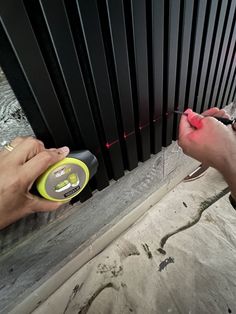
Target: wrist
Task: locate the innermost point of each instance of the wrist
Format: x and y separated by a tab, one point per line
226	163
229	173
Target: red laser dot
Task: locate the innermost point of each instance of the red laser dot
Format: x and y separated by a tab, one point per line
108	145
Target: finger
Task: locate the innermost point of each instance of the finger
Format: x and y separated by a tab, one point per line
216	112
185	127
224	114
14	143
40	163
221	113
234	126
26	150
211	112
227	116
18	140
195	119
41	205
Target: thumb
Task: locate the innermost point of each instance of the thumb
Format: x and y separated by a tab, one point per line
195	119
41	205
185	127
41	162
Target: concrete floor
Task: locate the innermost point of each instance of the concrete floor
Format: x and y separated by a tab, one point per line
193	273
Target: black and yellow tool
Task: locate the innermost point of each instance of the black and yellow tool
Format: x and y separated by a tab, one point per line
68	177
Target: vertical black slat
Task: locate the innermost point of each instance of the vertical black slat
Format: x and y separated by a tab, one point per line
16	78
228	94
230	78
138	9
120	52
234	94
61	37
229	57
201	14
158	68
172	53
232	88
220	66
206	58
94	43
19	32
214	63
184	63
149	21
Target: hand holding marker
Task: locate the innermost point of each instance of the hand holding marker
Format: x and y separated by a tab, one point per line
225	121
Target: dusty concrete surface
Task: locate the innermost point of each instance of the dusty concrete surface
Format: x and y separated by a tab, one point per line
194	274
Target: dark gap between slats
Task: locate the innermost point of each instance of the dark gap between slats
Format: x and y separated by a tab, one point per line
165	74
231	89
234	94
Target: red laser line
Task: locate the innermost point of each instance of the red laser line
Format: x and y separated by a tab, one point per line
144	125
128	134
108	145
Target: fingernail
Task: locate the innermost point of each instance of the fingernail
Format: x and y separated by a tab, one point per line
64	150
188	110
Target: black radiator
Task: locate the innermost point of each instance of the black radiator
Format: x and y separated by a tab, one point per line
106	75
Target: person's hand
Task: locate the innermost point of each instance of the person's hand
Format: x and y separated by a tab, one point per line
19	169
206	139
209	141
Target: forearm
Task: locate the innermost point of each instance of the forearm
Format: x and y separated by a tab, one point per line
232	185
229	174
